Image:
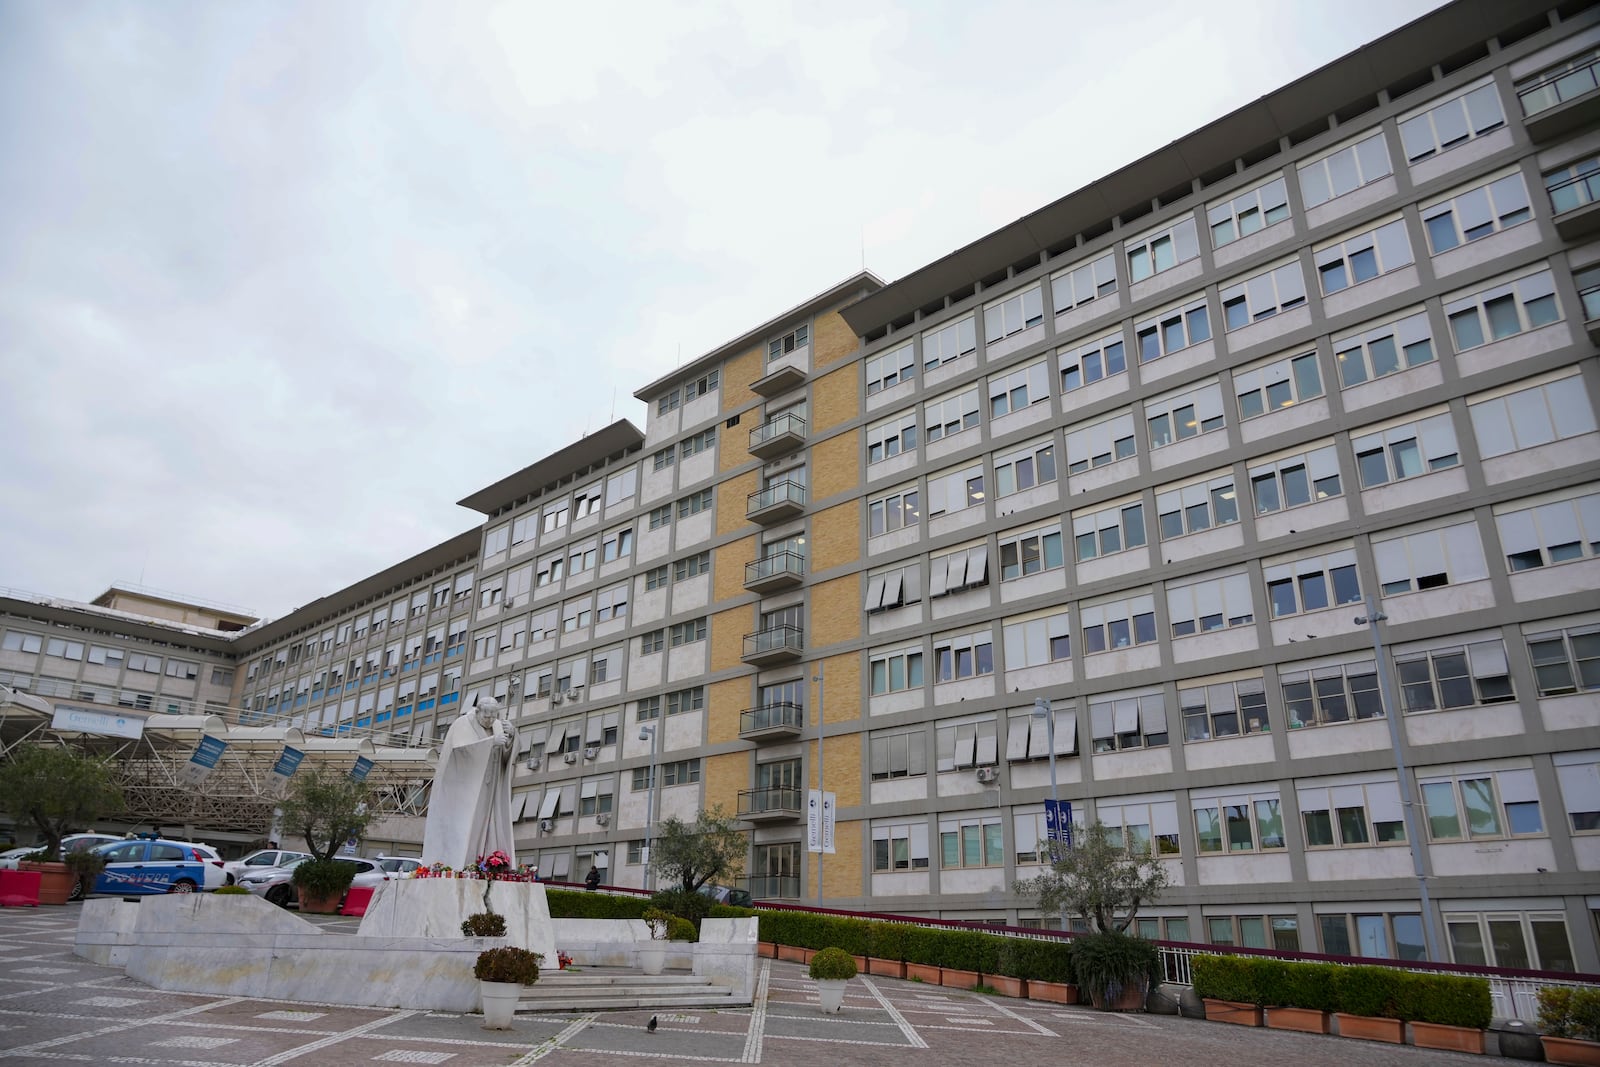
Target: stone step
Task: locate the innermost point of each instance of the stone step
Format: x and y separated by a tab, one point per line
588	978
622	1001
616	989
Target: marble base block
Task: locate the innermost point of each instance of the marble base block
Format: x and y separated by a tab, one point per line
436	907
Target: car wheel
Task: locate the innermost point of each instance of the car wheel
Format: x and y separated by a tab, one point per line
279	895
76	892
227	879
183	885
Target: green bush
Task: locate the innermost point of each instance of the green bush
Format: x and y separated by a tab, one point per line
681	929
484	924
323	878
232	891
887	941
1370	991
1446	999
923	946
1296	985
728	911
833	964
508	964
1036	959
687	904
1225	978
972	950
1566	1011
581	904
804	929
1106	962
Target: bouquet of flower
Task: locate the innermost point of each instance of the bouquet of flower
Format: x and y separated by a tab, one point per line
495	864
563	960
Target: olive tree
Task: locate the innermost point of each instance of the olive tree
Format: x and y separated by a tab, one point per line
58	790
326	807
1098	879
693	853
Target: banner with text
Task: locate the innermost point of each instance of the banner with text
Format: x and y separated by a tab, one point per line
1058	821
203	762
283	770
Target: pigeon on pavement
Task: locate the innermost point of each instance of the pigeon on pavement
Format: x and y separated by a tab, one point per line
651	1025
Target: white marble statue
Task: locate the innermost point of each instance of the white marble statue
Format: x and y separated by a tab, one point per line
469	810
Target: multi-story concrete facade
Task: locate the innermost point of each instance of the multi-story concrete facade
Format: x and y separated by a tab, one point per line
1148	454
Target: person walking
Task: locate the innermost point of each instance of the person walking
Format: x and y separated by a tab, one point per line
592	879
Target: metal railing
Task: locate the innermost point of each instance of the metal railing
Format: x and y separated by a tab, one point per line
787	423
784	492
1558	87
1572	193
773	886
785	638
770	799
772	717
786	562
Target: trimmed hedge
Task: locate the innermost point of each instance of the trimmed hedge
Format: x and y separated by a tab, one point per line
1370	991
581	904
1225	978
1377	992
1036	960
887	941
1448	999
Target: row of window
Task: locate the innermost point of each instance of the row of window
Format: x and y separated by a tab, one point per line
110	656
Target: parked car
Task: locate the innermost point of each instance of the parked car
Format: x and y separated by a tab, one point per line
258	860
276	885
216	874
145	865
401	865
70	843
721	894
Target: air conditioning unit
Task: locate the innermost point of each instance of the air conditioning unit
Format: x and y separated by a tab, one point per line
534	763
547	825
591	752
556	698
988	774
571	757
604	818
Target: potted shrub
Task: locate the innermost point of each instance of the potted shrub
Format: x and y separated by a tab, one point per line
326	808
1115	969
231	891
922	955
1227	986
886	949
1045	966
1367	1003
1447	1011
57	790
1570	1019
832	969
961	955
1298	996
501	974
653	953
85	866
484	924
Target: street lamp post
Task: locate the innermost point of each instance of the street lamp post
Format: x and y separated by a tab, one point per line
1391	712
1041	710
648	731
821	785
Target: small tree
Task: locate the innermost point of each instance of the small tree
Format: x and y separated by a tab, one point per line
1099	880
326	808
57	789
692	854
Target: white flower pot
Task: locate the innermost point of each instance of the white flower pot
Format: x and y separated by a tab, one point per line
499	1003
652	957
830	992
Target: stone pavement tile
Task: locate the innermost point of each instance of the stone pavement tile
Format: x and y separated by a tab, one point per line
375	1052
699	1020
98	1004
450	1026
290	1015
172	1041
677	1044
880	1031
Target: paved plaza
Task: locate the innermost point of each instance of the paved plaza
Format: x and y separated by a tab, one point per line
56	1008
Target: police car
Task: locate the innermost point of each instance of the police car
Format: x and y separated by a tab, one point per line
145	865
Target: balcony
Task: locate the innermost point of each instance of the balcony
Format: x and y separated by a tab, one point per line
777	502
774	886
772	804
781	570
772	720
1591	306
779	644
782	379
778	437
1575	199
1561	102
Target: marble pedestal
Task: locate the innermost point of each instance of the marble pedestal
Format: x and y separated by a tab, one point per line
436	907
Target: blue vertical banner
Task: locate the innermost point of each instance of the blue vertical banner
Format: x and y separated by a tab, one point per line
288	762
203	761
358	773
1058	821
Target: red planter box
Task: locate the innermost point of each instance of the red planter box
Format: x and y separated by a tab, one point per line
925	972
767	949
1053	992
1232	1011
887	968
1008	987
792	953
1365	1028
957	979
1450	1038
1305	1020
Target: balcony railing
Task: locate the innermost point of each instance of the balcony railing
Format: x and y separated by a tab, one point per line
776	644
780	570
774	886
1562	102
777	436
771	802
771	720
1559	87
780	500
782	378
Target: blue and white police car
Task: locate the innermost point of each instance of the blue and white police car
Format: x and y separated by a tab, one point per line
145	865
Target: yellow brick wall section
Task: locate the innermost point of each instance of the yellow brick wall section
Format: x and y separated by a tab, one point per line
835	613
835	465
842	701
727	636
737	374
835	399
724	776
727	568
841	872
833	339
843	767
725	700
836	536
733	497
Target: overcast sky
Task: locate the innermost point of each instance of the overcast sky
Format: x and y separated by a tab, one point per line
279	283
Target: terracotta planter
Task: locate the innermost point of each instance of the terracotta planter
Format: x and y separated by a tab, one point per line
1006	987
1053	992
1305	1020
767	950
1571	1051
957	979
792	953
1232	1011
55	881
923	972
861	964
887	968
320	904
1366	1028
1129	997
1450	1038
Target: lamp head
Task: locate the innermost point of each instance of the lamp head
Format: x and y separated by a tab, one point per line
646	732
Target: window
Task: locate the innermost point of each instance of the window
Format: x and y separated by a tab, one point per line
513	635
1467	115
955	490
1114	624
949	415
652	641
891	368
1379	351
622	486
1480	804
1263	296
1223	709
892	436
1313	584
949	343
901	754
796	339
1037	639
1529	940
617	544
555	516
683	633
648	708
668	402
1180	416
519	583
1152	253
900	847
1146	828
694	503
1242	823
1013	314
1090	362
542	626
1579	775
1076	287
1429	559
1573	186
491	591
1196	507
64	649
1551	411
701	386
964	745
699	442
1344	170
657	577
550	570
1103	533
1566	661
1363	257
496	540
1247	213
1461	676
1251	931
1031	465
664	458
484	644
893	672
152	664
1339	692
577	614
892	588
681	701
221	676
1018	389
611	603
1101	443
893	512
965	568
1030	553
971	841
964	656
1295	481
176	668
1123	721
1502	311
1173	330
1476	213
1028	738
1210	604
691	566
1406	451
661	516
